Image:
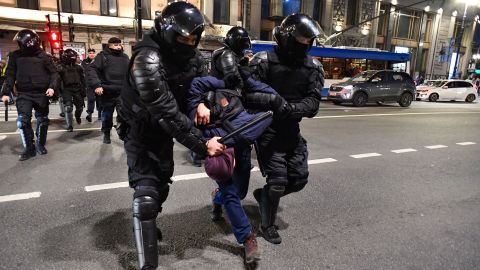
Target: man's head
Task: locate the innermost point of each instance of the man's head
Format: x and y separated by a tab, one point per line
296	34
115	43
91	53
180	26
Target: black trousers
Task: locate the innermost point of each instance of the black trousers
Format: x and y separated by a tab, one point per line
73	96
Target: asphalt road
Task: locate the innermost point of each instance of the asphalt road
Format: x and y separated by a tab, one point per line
390	188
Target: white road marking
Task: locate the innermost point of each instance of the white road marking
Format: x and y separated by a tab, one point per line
21	196
323	160
366	155
3	137
388	114
436	146
189	176
466	143
406	150
106	186
53	131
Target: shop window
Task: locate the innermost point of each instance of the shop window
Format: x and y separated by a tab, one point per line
352	11
71	6
29	4
108	7
221	11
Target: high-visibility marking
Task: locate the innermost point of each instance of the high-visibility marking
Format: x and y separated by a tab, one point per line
436	146
406	150
366	155
323	160
466	143
21	196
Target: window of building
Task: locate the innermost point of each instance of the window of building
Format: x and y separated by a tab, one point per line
407	25
71	6
108	7
318	11
29	4
146	9
221	11
382	22
265	9
291	6
353	9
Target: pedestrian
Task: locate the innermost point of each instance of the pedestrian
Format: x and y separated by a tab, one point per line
92	100
33	74
298	78
106	75
153	107
72	78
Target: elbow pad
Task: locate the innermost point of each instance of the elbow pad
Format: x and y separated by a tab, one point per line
182	130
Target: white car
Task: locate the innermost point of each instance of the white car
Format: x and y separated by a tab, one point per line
437	90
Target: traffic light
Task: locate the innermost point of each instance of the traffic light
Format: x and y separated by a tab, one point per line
54	39
47	24
71	35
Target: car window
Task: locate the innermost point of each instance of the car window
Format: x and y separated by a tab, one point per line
451	85
380	76
464	84
396	77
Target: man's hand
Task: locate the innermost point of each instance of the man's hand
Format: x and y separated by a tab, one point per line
99	91
5	99
203	115
49	92
214	148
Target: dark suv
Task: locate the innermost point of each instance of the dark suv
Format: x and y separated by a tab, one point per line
374	85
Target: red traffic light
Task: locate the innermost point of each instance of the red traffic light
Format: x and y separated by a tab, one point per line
53	36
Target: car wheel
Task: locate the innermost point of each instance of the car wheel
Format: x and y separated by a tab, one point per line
359	99
405	100
470	98
433	97
337	102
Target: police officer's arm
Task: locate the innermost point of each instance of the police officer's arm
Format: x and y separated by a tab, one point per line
94	70
52	70
10	76
148	75
308	106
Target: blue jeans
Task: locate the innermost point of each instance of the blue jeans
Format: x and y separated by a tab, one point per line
231	192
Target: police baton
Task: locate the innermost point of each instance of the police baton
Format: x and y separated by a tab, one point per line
6	111
255	121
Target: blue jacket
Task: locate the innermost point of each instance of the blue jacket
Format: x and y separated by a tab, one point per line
201	85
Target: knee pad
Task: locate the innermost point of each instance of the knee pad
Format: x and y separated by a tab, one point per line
23	121
275	191
298	185
160	194
145	208
277	180
68	109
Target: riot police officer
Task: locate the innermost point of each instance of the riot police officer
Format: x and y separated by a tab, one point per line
225	63
298	78
106	75
33	73
153	105
91	97
72	78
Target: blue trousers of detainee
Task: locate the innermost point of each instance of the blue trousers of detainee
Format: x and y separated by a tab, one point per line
233	191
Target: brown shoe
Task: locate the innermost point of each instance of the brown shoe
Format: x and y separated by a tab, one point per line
251	249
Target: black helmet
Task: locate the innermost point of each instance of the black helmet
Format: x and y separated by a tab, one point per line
294	32
238	40
69	57
179	18
27	40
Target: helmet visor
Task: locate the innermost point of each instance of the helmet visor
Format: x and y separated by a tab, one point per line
188	22
306	30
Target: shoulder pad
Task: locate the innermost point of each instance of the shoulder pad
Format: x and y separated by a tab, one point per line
317	63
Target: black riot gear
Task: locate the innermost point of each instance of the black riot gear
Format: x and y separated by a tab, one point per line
69	57
27	40
296	34
179	18
237	40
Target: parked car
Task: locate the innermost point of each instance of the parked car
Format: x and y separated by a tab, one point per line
374	86
437	90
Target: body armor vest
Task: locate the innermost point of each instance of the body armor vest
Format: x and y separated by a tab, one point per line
32	73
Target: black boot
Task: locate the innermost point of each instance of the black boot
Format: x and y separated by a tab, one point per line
89	117
42	129
78	119
78	115
106	138
270	199
26	134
